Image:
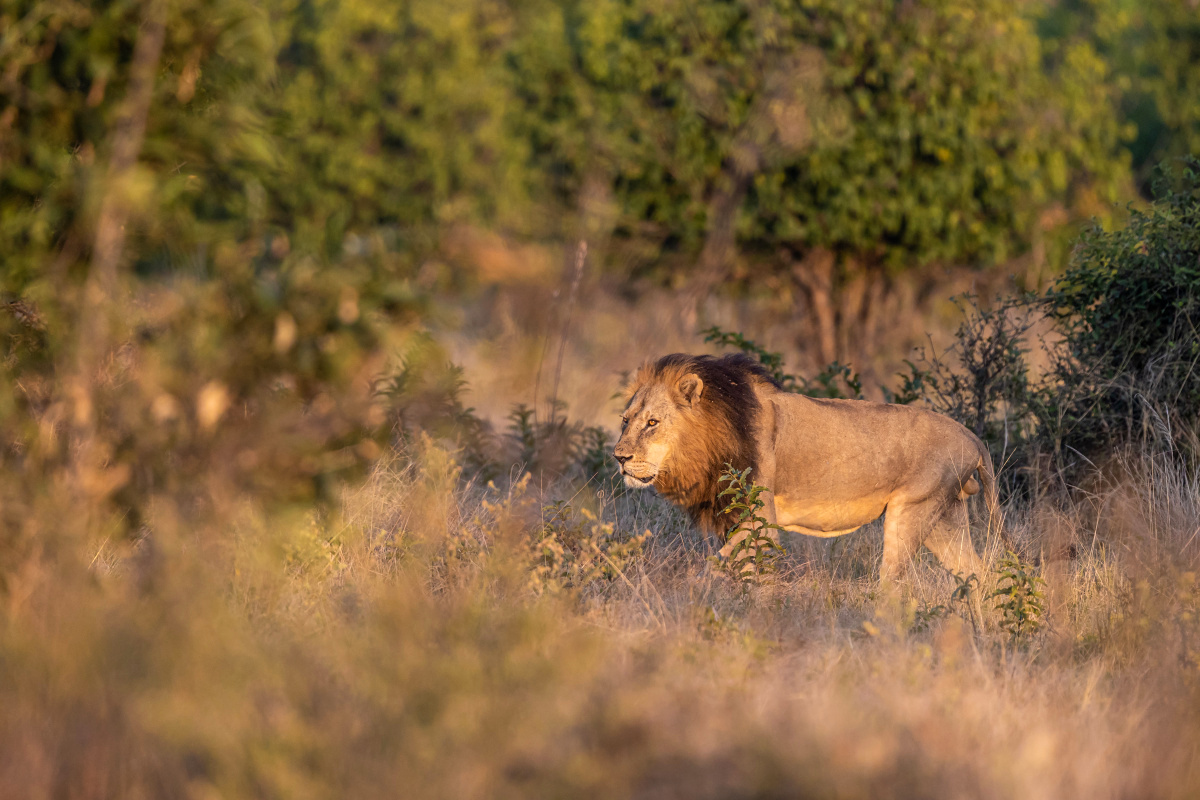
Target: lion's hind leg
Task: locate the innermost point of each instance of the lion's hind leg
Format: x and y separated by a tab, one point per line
950	540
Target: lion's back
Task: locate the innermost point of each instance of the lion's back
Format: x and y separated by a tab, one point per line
864	442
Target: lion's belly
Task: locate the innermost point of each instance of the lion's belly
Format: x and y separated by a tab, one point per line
817	518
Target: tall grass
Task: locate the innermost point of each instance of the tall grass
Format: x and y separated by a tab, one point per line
420	642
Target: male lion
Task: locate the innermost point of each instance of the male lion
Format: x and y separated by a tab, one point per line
830	466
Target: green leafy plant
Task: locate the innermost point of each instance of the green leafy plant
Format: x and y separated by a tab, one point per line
595	455
425	394
913	385
771	361
825	384
522	433
1129	311
848	135
960	601
965	587
982	379
754	553
1019	597
925	615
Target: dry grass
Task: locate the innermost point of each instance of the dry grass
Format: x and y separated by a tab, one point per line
410	646
509	335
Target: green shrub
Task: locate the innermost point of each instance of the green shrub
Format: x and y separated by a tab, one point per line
1019	597
824	384
753	555
574	550
1123	357
1129	312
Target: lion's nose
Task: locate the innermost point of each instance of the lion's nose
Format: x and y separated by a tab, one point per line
621	459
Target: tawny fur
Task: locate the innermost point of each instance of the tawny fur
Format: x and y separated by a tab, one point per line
830	466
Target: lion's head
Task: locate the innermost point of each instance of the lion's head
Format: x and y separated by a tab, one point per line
686	418
654	418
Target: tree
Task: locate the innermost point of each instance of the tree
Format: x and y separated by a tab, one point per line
66	84
157	340
390	121
1153	51
822	138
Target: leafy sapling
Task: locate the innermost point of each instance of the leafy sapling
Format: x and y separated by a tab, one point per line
1020	597
754	550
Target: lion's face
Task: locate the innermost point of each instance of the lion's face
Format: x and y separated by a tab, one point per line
649	428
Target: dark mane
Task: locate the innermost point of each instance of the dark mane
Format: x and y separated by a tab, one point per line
728	384
728	412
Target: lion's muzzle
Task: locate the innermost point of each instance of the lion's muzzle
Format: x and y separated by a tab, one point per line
642	473
639	473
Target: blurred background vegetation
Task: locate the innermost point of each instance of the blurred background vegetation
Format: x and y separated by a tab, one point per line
229	228
249	205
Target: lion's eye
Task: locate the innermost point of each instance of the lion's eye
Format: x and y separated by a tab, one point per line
651	423
624	421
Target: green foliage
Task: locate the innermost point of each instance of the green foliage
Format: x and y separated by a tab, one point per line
390	120
824	384
960	600
896	133
557	446
1129	310
203	344
192	395
1152	51
1164	59
67	80
987	382
908	185
771	361
596	458
925	615
554	445
1019	597
754	548
354	129
522	433
914	385
424	397
425	394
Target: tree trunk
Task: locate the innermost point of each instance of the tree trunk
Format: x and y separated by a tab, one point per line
814	274
100	289
719	243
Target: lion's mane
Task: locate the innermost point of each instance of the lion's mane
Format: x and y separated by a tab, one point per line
720	430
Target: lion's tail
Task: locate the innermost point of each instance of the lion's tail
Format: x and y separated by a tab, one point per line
987	479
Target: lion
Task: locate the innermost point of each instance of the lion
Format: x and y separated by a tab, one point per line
829	466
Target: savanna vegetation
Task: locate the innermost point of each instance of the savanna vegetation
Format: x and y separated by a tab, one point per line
260	535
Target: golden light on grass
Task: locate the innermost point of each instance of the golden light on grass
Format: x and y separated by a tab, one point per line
463	641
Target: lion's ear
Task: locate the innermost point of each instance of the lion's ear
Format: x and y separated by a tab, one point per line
690	388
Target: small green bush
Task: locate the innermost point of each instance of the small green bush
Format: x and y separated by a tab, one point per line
1123	359
1019	598
1129	312
754	555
